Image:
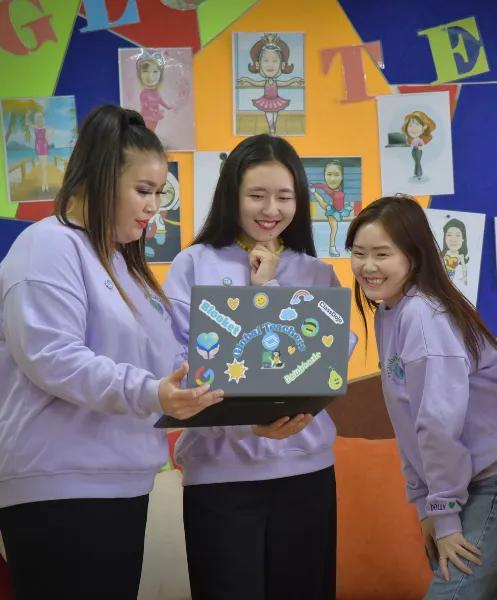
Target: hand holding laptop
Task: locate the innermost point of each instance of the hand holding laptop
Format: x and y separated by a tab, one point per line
185	403
283	428
263	263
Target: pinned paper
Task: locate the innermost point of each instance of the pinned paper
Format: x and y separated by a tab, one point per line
460	237
457	50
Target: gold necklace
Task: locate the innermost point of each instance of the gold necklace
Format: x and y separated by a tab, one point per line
248	248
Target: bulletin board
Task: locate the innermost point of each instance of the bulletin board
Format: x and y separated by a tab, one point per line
355	50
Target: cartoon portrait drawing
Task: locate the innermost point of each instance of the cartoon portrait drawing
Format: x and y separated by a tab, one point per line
455	249
162	240
270	58
330	196
157	82
418	127
149	70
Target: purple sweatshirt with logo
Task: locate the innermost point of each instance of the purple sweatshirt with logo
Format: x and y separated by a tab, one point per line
222	454
79	372
442	405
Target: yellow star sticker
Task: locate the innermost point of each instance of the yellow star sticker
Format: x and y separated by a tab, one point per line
236	370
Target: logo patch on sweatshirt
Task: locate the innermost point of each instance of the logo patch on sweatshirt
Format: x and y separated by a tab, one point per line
395	369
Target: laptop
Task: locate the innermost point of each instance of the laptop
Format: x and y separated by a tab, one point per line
275	351
397	140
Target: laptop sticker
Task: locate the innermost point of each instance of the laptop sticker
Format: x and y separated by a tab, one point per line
335	380
222	320
261	300
233	303
302	367
330	313
270	341
204	376
291	350
236	370
300	295
272	360
288	314
208	345
327	340
310	327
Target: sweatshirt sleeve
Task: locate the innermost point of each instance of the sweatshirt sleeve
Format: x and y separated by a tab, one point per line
45	332
438	390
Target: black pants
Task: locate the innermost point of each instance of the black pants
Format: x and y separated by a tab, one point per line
83	549
262	540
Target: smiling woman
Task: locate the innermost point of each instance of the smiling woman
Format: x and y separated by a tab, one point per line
258	232
88	362
439	374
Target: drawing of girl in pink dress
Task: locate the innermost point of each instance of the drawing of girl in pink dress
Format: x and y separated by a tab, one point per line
150	69
39	131
269	58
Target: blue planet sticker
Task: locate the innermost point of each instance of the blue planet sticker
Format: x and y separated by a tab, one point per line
271	341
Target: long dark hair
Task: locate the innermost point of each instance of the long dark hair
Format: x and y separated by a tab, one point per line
93	173
222	225
405	222
458	224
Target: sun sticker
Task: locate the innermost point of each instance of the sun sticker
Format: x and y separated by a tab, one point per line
236	370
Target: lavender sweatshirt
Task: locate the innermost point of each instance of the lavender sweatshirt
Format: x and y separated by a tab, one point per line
221	454
79	372
442	405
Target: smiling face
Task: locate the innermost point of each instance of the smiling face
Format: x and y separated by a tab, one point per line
415	128
270	63
150	74
267	203
141	181
333	176
454	239
380	267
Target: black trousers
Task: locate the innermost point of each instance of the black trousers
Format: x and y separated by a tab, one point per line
262	540
75	549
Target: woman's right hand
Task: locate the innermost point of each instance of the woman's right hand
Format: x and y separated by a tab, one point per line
283	428
185	403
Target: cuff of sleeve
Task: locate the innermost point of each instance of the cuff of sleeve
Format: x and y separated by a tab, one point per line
446	524
272	282
150	399
420	507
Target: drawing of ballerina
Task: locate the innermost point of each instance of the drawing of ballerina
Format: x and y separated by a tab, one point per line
270	56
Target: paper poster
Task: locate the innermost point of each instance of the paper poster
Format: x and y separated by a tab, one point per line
39	135
268	83
336	198
207	166
415	144
460	237
163	240
157	82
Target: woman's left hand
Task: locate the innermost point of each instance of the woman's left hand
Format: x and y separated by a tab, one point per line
283	428
452	547
263	263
